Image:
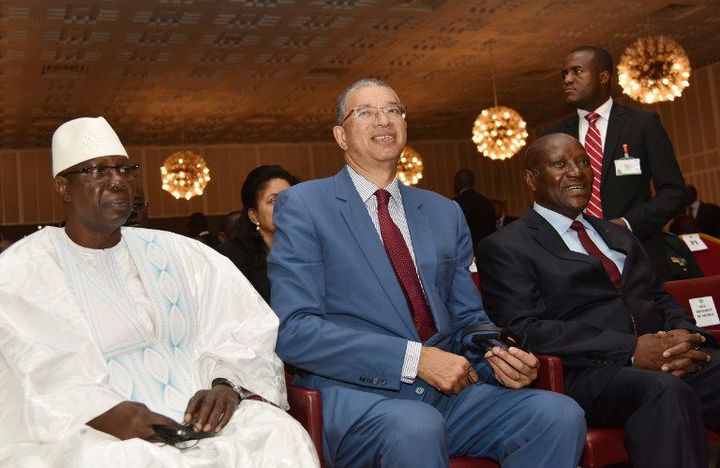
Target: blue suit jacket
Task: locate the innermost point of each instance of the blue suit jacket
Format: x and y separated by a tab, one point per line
344	321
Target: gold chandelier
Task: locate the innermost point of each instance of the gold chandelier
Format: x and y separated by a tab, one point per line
184	174
654	69
409	166
499	131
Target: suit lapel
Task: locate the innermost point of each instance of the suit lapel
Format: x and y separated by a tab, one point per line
356	216
424	250
616	123
572	126
615	241
550	240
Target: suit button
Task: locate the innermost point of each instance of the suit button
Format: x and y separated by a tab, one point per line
419	390
362	379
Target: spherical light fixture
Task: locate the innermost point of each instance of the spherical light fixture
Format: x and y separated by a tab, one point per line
409	166
184	175
499	132
654	69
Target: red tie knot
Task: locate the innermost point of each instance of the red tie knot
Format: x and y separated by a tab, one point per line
383	196
577	226
592	117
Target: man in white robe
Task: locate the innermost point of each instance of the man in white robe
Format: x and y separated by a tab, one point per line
106	331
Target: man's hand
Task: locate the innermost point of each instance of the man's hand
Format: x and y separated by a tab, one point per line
129	420
683	358
654	350
447	372
514	368
210	410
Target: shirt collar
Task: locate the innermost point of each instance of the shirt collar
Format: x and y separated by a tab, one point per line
559	222
603	111
366	189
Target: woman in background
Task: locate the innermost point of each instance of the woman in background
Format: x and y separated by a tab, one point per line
251	239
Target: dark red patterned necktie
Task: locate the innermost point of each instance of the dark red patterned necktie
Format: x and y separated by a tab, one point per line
594	149
402	262
610	268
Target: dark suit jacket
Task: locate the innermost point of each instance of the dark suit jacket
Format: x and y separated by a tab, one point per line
254	270
630	196
708	219
508	219
479	213
565	303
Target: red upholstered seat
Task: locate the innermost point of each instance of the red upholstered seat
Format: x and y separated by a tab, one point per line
684	290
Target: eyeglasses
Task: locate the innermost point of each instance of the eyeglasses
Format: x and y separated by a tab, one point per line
370	113
127	171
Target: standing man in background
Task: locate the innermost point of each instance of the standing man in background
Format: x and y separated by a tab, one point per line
621	191
478	210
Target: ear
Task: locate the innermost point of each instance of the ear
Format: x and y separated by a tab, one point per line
252	214
529	177
604	77
339	133
61	187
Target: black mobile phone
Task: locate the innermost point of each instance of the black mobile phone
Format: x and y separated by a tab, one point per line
174	436
486	337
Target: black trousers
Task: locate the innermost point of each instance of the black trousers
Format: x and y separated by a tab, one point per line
664	417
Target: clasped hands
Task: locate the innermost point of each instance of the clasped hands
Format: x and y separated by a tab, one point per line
675	351
451	373
208	411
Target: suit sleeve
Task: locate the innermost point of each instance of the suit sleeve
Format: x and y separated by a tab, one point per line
512	300
669	200
305	338
464	302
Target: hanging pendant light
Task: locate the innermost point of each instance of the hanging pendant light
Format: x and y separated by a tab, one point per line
184	175
499	132
409	166
654	69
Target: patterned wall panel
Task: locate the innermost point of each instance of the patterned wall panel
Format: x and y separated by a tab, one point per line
693	122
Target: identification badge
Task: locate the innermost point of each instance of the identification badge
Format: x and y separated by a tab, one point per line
694	242
703	308
627	166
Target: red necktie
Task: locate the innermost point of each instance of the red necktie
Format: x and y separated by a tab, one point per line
594	149
402	262
610	268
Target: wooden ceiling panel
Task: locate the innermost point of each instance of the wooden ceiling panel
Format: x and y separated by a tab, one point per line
223	71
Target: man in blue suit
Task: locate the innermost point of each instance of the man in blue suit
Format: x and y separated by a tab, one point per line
370	281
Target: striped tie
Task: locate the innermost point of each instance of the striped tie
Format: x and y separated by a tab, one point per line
594	149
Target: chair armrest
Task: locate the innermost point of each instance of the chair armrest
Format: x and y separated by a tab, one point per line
306	408
550	374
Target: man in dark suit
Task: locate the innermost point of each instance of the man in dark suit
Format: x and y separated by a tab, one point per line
706	215
478	210
502	219
370	281
622	192
632	357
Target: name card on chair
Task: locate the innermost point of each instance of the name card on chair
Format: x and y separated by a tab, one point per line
703	308
694	242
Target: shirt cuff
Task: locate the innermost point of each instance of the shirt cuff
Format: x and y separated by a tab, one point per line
411	362
627	224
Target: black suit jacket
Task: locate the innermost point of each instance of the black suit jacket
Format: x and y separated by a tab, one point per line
565	303
630	196
479	213
255	270
708	219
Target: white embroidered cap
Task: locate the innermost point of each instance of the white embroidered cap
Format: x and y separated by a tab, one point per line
83	139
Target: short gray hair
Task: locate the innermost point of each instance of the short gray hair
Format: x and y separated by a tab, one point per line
363	83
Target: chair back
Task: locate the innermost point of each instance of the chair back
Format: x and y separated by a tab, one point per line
684	290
